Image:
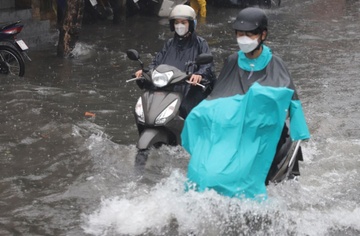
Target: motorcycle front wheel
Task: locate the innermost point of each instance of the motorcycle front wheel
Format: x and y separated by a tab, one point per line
11	61
141	157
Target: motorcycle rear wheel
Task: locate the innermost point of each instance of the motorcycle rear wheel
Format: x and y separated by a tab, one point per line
11	61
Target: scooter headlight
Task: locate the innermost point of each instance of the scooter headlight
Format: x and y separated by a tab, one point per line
168	111
161	79
139	111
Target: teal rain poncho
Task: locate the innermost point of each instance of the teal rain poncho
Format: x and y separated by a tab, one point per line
234	158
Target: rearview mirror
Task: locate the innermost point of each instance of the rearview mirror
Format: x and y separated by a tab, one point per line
203	58
132	54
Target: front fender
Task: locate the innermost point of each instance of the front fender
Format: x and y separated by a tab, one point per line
151	136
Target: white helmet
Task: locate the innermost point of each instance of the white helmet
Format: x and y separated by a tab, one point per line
182	12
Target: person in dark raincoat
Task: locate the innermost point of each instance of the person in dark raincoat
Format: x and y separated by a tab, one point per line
185	46
255	62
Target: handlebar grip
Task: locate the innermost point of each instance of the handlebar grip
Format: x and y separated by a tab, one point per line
146	70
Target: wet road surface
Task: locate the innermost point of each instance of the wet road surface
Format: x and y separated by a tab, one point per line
64	173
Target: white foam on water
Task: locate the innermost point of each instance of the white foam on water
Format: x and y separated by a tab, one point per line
167	208
82	49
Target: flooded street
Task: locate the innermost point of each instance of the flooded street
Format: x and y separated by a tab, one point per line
64	172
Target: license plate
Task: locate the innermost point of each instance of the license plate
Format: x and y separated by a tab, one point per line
22	45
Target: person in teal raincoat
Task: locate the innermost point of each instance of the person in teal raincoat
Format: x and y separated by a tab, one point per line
253	64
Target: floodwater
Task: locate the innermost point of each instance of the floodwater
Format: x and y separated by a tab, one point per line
66	173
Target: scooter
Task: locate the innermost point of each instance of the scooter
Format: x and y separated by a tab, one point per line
97	9
245	3
157	111
12	50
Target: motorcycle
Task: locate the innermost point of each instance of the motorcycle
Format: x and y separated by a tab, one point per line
157	111
97	10
245	3
12	50
117	9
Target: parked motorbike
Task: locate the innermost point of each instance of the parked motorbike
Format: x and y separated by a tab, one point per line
97	10
116	9
12	50
157	111
245	3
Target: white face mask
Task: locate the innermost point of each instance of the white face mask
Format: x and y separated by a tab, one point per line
181	29
247	44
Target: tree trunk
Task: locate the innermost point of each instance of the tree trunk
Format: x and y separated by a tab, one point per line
35	6
70	26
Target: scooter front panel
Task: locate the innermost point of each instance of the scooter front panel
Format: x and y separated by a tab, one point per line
155	102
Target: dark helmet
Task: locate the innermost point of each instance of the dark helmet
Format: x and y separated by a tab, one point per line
182	12
250	19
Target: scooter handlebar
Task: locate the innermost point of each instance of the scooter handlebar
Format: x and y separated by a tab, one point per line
197	84
133	79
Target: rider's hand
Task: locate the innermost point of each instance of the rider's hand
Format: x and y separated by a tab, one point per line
195	79
138	73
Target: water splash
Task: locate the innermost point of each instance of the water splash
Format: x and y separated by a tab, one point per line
82	49
312	205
